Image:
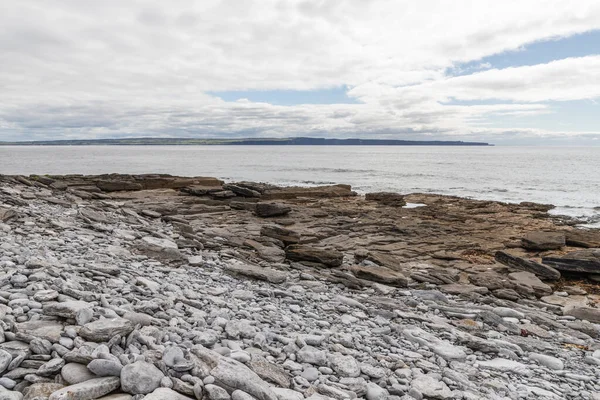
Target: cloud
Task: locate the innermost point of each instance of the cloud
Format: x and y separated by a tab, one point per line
83	68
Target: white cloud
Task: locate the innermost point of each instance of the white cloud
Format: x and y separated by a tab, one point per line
88	68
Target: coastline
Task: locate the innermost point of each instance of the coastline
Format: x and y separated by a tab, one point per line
280	285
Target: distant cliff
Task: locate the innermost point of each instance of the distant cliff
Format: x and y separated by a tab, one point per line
298	141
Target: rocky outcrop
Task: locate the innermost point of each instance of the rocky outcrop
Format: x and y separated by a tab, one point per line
342	298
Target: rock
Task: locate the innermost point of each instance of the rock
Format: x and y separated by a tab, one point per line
329	258
586	261
544	240
287	236
39	391
260	273
547	361
105	367
311	355
11	396
232	375
345	366
51	367
166	394
457	289
583	238
140	378
585	313
504	365
380	274
431	388
538	269
266	210
103	330
387	198
241	395
269	371
242	191
68	309
440	347
74	373
376	392
287	394
215	392
90	389
508	312
160	247
529	279
5	359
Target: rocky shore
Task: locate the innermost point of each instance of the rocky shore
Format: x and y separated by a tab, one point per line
159	287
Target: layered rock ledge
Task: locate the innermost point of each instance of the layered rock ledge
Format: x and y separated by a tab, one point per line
163	287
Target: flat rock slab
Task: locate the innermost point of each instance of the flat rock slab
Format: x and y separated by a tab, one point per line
266	210
49	330
330	258
543	240
507	366
260	273
585	313
586	261
381	275
523	264
103	330
87	390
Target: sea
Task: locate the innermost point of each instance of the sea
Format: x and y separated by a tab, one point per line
567	177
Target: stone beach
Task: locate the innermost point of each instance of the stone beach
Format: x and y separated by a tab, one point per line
159	287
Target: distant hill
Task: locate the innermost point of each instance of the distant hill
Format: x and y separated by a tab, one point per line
298	141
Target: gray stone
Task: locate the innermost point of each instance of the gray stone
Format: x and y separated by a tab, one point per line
547	361
51	367
345	366
103	330
74	373
431	387
140	378
5	359
215	392
166	394
91	389
102	367
311	355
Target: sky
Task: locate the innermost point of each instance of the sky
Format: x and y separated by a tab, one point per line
509	72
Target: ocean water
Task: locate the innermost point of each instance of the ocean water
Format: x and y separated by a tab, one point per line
567	177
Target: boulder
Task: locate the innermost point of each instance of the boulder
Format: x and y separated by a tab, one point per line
140	377
329	258
232	375
543	240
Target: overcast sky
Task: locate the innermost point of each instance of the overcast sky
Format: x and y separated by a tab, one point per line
508	72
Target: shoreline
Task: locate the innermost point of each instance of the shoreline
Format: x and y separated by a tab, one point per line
289	292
